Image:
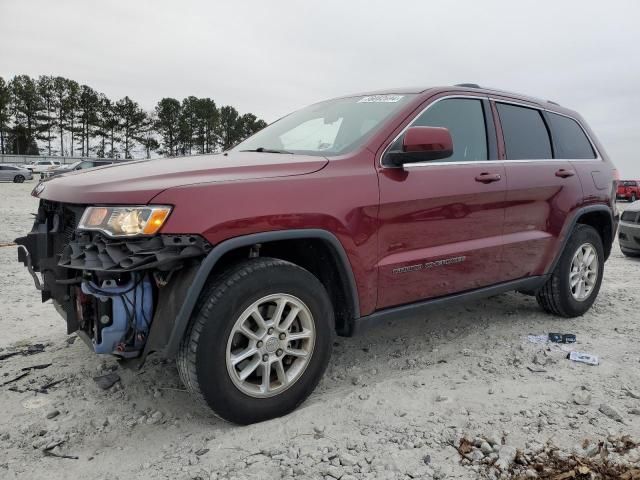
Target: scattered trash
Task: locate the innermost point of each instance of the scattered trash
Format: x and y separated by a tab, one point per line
610	412
630	392
47	386
538	338
535	369
562	338
201	452
583	358
48	451
30	350
552	337
15	379
107	381
36	367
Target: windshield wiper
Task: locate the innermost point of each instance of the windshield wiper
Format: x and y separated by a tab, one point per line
267	150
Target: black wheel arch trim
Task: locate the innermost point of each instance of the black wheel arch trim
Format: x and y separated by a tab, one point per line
569	226
212	258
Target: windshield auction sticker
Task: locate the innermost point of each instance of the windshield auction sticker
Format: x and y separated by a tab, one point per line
381	99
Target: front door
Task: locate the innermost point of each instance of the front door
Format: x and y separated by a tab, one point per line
441	221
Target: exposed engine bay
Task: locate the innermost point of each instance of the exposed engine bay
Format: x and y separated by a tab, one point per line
112	291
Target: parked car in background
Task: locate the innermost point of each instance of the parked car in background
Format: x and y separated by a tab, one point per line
347	213
80	165
629	230
628	190
14	173
42	166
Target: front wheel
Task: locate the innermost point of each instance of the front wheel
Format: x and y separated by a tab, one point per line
575	281
259	341
18	179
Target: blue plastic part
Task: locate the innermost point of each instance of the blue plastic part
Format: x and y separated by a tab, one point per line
126	300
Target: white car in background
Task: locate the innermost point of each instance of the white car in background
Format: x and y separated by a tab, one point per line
42	166
15	174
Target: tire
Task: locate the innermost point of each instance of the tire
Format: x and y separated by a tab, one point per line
557	296
18	179
204	358
630	253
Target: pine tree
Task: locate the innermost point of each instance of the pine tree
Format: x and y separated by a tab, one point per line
168	124
229	128
250	124
45	90
5	108
27	106
88	106
207	122
71	108
131	120
147	136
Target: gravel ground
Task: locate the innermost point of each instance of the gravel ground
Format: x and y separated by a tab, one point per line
459	394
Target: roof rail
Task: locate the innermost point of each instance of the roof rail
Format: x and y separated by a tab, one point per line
553	103
467	85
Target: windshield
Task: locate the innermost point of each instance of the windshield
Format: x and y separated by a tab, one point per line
333	127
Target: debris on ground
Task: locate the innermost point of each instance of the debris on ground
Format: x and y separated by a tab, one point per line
105	382
30	350
583	358
617	457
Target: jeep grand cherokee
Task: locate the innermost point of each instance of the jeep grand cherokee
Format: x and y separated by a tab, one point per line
243	265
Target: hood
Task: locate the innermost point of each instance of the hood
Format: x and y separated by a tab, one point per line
139	181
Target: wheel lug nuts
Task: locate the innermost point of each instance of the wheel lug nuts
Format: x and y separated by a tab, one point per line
259	344
279	352
282	336
265	357
270	331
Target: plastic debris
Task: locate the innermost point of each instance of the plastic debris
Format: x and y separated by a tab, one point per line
583	358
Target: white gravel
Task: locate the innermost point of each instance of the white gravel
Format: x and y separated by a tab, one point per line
392	405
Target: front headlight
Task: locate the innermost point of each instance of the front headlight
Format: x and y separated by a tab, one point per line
125	221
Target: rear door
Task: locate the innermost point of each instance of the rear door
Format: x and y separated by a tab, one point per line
4	172
441	221
541	191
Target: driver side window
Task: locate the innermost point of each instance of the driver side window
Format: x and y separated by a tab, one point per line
464	118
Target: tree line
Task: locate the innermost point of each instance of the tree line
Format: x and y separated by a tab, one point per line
58	116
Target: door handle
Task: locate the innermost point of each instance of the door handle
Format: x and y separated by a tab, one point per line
562	173
488	177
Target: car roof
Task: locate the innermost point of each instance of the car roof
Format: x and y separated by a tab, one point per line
472	88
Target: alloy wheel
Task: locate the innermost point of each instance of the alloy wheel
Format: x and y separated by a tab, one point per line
270	345
583	275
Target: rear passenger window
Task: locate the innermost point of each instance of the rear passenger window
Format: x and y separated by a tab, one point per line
525	134
569	138
464	118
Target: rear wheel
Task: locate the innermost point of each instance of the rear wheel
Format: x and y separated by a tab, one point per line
259	341
576	279
18	179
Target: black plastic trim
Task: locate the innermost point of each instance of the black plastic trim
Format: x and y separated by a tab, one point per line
568	228
425	306
184	315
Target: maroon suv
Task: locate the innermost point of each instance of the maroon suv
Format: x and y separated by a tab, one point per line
346	213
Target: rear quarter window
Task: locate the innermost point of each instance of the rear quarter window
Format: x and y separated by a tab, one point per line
525	133
569	139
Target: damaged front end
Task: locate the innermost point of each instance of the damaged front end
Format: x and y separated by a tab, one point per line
120	294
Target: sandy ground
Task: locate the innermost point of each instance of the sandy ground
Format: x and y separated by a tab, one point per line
393	404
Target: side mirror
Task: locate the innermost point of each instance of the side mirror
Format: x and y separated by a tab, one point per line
422	144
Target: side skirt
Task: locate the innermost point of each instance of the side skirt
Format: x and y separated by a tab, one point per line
419	308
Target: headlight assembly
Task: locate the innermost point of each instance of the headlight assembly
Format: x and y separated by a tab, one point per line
125	221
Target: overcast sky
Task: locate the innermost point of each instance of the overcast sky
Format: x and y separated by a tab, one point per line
270	57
